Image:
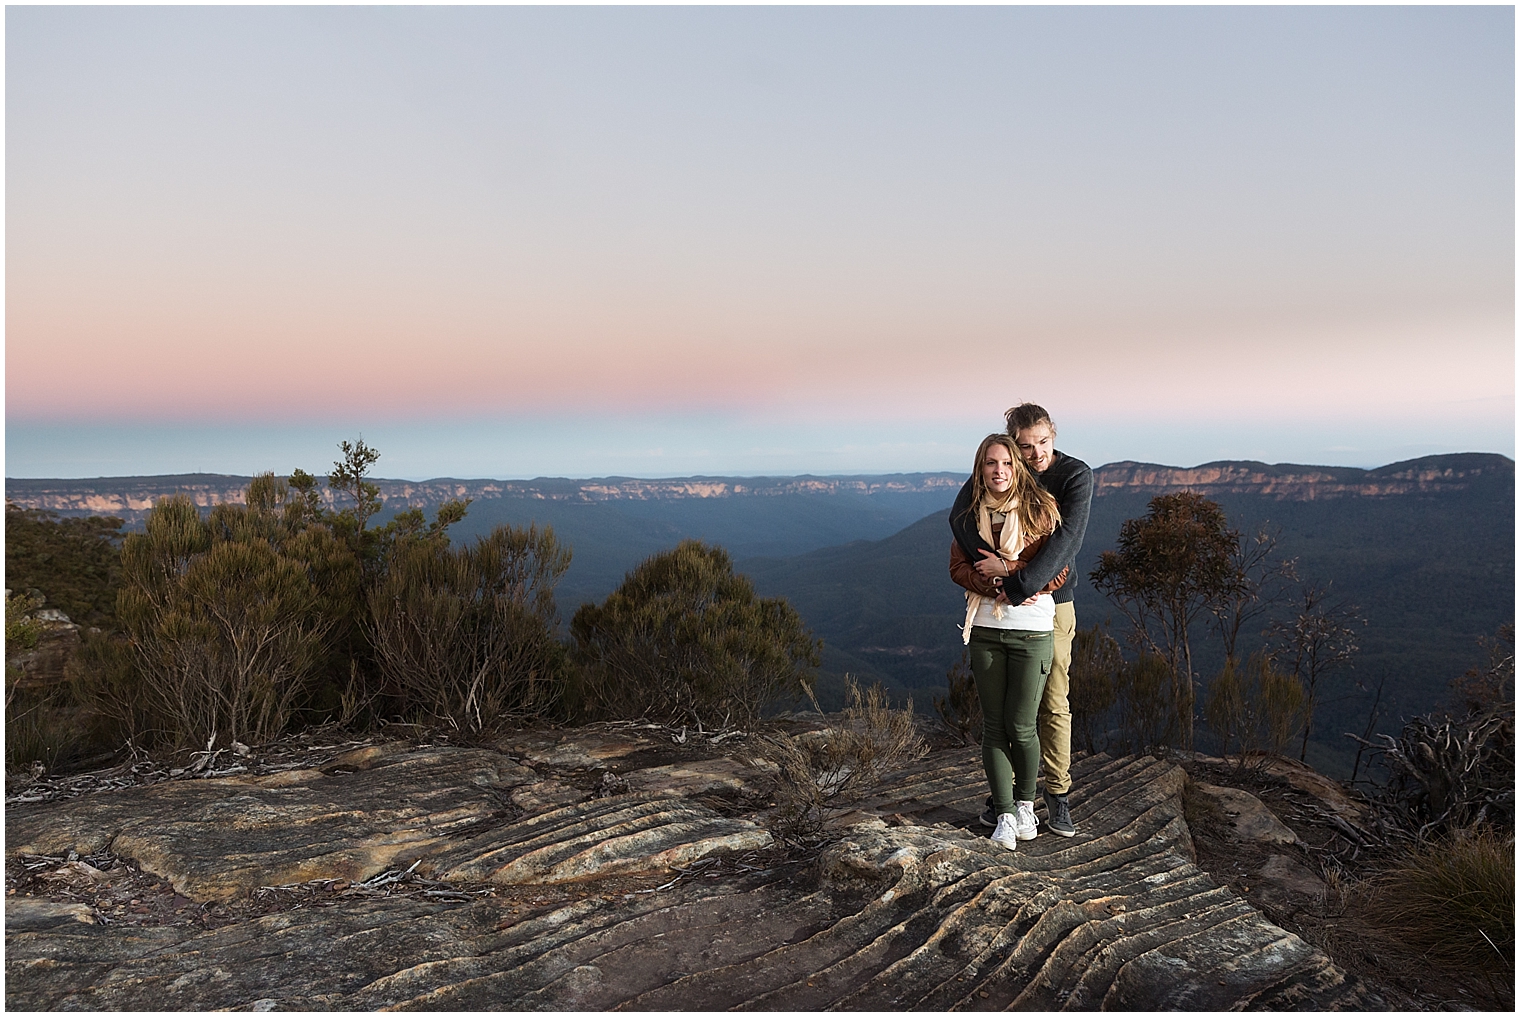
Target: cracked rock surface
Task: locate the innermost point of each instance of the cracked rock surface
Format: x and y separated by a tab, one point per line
641	893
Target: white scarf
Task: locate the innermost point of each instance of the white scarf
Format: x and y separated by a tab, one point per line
1008	549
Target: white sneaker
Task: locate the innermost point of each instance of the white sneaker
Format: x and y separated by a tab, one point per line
1007	832
1026	821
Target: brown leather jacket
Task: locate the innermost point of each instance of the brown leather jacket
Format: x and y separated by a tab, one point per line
965	574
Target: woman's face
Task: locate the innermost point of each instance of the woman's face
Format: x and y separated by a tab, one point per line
997	469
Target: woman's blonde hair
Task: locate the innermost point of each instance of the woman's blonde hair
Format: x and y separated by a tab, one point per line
1037	510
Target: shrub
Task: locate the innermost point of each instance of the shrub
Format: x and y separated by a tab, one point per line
822	773
104	677
1257	707
1454	900
683	639
1448	773
1096	673
74	562
466	635
34	730
230	619
961	708
1142	694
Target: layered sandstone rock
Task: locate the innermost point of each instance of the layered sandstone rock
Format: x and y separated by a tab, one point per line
910	907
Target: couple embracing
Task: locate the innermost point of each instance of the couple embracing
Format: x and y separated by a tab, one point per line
1018	523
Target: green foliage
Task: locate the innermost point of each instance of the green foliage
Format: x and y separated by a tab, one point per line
22	630
1147	715
1097	674
961	708
348	476
467	635
1174	565
73	562
35	729
685	640
104	677
821	773
230	618
1256	706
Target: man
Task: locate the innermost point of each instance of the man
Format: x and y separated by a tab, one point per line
1070	481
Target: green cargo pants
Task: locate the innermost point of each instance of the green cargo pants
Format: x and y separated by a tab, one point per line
1010	667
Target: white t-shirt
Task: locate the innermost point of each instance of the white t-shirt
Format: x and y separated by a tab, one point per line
1037	617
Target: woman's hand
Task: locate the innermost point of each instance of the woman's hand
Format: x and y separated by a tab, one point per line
991	566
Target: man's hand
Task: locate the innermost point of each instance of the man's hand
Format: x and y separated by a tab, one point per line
991	566
1002	598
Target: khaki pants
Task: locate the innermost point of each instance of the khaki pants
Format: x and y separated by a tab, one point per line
1055	712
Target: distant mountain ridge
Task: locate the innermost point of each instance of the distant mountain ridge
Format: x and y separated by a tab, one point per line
1293	482
132	497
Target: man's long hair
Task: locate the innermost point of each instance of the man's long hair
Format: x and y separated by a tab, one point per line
1037	510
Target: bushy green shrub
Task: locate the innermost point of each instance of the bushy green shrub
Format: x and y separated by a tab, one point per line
1096	674
466	635
230	618
1257	707
1147	719
42	724
685	640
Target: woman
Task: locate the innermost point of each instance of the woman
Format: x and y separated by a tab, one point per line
1011	644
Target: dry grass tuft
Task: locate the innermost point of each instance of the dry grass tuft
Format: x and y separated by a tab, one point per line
1453	900
823	773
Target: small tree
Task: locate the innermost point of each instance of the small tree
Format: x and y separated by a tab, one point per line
1320	638
467	635
1255	705
226	616
1174	565
684	639
1096	674
1147	715
1258	580
348	476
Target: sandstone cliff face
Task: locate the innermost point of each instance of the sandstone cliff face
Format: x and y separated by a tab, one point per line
132	497
1304	483
651	886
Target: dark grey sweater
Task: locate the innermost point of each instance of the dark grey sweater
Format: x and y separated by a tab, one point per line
1071	482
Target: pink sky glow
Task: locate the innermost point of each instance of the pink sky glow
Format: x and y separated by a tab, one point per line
892	219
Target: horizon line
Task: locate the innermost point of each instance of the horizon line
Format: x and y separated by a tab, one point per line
770	476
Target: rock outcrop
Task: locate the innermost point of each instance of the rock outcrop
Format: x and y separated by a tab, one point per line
645	887
447	809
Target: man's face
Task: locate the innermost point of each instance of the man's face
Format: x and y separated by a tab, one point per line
1037	445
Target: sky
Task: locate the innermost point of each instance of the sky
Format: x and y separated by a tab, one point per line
572	241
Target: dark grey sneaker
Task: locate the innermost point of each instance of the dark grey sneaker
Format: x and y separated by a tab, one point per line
989	818
1058	816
